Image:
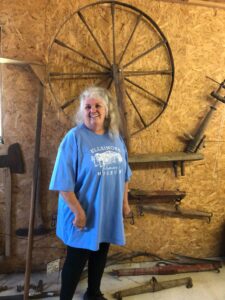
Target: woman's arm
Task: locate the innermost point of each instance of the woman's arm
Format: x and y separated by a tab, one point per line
126	206
74	205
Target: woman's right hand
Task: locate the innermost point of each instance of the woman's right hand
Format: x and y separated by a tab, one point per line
80	219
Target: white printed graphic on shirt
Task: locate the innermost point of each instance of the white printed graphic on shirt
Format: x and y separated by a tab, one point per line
108	161
106	158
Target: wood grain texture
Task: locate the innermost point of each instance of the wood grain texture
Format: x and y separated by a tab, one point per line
196	37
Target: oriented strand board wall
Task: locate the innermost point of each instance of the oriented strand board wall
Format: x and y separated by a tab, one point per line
197	41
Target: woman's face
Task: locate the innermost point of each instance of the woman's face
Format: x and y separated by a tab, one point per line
94	114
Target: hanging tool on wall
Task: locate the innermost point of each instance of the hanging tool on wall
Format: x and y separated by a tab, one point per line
153	286
175	211
11	161
137	196
197	140
162	202
39	227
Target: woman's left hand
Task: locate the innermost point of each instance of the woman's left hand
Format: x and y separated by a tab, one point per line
126	210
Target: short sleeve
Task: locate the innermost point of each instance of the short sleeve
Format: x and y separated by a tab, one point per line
64	171
128	172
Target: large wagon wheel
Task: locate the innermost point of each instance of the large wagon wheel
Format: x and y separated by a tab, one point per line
115	45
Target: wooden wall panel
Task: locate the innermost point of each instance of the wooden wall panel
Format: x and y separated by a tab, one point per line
196	38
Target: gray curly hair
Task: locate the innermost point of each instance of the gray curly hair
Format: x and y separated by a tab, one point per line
112	120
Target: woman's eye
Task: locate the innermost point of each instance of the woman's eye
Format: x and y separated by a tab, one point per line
87	107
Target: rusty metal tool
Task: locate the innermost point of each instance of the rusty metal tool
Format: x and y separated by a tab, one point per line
169	269
197	140
3	288
175	211
39	228
12	297
137	196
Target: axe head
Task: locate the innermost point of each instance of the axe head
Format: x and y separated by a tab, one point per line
13	160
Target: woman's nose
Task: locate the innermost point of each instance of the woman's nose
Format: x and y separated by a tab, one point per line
93	108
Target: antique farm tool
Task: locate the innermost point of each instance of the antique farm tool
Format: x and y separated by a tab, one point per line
37	288
175	211
169	269
144	197
153	286
12	297
3	288
137	196
197	140
39	227
117	46
40	75
40	295
12	162
34	189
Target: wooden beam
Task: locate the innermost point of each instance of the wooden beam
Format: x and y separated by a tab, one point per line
206	3
163	157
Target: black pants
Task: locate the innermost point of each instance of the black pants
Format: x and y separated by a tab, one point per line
74	264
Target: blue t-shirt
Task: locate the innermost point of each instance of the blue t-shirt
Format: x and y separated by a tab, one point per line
96	168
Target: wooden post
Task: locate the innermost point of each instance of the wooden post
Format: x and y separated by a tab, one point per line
33	193
120	95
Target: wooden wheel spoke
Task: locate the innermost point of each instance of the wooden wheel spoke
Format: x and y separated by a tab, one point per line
93	36
136	109
113	32
161	101
110	83
71	100
68	102
145	53
100	82
144	73
64	45
130	38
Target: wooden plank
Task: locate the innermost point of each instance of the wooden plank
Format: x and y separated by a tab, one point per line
212	4
171	195
160	157
39	71
5	60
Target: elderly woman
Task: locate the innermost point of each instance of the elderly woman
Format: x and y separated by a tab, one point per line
91	173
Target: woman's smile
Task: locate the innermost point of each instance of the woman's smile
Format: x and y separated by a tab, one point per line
94	114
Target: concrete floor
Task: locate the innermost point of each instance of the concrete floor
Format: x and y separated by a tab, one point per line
206	285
